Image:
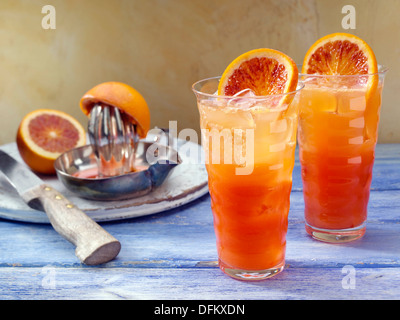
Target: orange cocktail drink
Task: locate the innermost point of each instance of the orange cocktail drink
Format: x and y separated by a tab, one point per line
338	128
338	131
249	145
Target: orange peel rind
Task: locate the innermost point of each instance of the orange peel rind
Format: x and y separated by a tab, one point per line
122	96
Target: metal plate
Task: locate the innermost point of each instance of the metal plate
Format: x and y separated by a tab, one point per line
187	182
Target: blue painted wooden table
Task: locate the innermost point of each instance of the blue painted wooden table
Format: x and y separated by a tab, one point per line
172	255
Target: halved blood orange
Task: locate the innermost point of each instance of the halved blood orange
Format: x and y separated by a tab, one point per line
43	135
264	71
340	54
122	96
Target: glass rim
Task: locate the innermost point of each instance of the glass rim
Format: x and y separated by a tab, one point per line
300	85
382	69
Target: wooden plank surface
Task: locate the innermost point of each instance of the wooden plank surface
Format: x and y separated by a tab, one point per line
194	284
185	238
171	255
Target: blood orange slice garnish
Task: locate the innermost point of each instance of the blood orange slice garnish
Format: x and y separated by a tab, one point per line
122	96
43	135
340	54
263	71
343	54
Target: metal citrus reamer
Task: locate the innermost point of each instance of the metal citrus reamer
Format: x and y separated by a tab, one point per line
114	139
118	117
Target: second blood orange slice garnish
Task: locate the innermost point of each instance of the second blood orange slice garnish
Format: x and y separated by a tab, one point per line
263	71
342	54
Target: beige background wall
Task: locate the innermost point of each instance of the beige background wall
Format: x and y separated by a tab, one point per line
161	47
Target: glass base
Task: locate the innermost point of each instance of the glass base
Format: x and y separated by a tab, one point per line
251	275
336	235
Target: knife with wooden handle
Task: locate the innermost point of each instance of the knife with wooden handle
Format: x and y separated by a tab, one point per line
94	245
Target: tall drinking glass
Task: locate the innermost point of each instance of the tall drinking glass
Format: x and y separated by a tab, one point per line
249	143
338	127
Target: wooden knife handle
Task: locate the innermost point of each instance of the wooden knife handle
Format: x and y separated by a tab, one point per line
93	244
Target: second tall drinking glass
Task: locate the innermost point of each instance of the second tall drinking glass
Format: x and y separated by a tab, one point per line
249	143
338	129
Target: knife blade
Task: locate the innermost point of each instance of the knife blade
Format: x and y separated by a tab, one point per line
94	245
